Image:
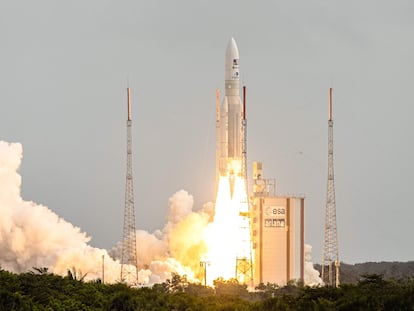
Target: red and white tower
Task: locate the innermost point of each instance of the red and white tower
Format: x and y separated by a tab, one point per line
129	266
330	258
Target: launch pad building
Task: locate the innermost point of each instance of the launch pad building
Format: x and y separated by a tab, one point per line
277	233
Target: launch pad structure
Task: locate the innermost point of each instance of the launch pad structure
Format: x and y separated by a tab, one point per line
244	262
277	232
330	257
129	264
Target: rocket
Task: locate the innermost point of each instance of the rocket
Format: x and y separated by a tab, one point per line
229	119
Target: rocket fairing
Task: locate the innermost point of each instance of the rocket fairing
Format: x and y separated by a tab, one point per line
231	116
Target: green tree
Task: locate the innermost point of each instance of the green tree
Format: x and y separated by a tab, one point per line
267	291
122	301
13	301
199	290
177	283
230	287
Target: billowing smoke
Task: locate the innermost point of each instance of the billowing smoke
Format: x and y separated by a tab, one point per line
178	247
185	229
311	274
31	235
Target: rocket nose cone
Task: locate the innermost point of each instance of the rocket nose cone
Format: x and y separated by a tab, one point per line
232	52
232	60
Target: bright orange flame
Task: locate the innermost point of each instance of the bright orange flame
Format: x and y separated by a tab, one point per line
228	236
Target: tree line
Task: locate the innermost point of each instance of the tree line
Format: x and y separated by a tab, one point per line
41	290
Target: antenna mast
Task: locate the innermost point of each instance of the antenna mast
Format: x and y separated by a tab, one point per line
330	258
217	138
129	266
244	261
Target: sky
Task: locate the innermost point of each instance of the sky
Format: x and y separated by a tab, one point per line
65	66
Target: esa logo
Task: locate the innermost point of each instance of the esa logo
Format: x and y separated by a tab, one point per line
278	211
275	211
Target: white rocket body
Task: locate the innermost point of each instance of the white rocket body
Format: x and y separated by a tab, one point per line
231	115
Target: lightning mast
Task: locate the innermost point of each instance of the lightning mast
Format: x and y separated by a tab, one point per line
330	258
129	267
244	262
244	141
217	138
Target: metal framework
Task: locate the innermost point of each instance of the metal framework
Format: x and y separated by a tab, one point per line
330	258
244	261
129	266
264	187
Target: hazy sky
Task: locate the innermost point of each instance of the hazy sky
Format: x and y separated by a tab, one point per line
64	67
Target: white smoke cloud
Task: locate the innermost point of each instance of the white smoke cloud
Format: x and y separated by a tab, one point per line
31	235
179	246
150	247
312	277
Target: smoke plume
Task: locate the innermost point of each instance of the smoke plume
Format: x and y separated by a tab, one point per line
312	277
31	235
178	247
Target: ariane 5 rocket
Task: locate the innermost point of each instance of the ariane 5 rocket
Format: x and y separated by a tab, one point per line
229	119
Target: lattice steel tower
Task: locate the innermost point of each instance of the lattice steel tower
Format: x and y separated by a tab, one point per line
330	258
244	261
129	267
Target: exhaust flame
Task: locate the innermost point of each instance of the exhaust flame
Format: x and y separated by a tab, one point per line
228	236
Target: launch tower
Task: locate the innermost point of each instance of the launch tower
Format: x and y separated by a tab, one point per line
330	257
244	260
129	269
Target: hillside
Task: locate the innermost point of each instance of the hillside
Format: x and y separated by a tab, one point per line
390	270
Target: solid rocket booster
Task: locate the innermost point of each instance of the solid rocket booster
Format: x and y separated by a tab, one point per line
231	114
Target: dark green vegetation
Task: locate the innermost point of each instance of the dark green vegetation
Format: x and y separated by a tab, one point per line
40	290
